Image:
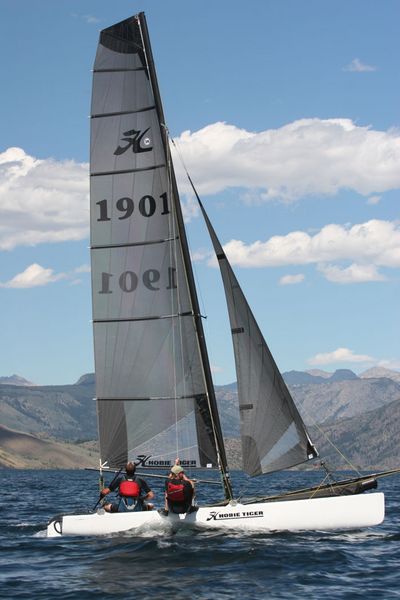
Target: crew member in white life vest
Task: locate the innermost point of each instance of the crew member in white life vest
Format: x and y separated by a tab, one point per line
132	492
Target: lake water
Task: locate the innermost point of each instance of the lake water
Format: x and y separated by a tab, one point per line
185	565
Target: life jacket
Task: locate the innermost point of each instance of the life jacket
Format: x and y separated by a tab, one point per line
129	489
175	492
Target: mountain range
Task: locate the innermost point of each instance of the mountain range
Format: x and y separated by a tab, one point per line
319	376
47	426
15	380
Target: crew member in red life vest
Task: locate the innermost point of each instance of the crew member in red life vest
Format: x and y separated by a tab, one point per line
132	492
179	491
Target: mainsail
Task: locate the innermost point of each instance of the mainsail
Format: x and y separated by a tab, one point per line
273	434
153	383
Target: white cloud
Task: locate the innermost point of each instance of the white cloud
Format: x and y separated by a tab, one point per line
390	363
357	66
202	254
339	355
83	269
190	207
306	157
41	201
352	274
92	20
372	200
33	276
367	246
291	279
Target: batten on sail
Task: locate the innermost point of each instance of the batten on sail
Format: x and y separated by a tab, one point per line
273	434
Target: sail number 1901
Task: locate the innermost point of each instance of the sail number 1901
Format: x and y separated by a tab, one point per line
147	207
128	281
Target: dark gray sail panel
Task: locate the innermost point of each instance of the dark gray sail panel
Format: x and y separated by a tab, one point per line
128	208
121	45
126	143
150	377
160	429
273	434
146	359
113	433
107	59
138	282
167	428
136	94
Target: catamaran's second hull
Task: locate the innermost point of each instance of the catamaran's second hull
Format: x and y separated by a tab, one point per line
336	513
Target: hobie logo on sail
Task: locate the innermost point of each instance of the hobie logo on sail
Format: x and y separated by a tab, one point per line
143	460
135	139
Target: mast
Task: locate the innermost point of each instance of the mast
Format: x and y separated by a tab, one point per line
212	403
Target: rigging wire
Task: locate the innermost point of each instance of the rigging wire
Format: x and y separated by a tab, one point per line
315	424
216	432
173	253
198	286
186	442
223	464
173	246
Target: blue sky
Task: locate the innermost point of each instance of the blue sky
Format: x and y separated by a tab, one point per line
286	114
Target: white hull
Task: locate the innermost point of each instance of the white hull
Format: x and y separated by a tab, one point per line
340	512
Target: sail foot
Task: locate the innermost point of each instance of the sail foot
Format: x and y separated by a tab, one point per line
339	488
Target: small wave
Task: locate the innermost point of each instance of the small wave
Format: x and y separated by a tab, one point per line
165	544
40	534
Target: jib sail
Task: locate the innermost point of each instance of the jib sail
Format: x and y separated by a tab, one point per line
273	434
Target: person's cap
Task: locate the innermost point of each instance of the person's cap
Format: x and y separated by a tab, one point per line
176	469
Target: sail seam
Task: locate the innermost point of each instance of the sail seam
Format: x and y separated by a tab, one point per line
152	318
125	112
101	173
147	243
118	70
146	399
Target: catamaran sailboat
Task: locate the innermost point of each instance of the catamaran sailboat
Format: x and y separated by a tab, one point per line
155	395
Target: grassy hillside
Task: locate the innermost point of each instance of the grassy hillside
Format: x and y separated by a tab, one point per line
370	440
22	450
66	412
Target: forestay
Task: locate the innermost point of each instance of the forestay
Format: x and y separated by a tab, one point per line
150	384
273	434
